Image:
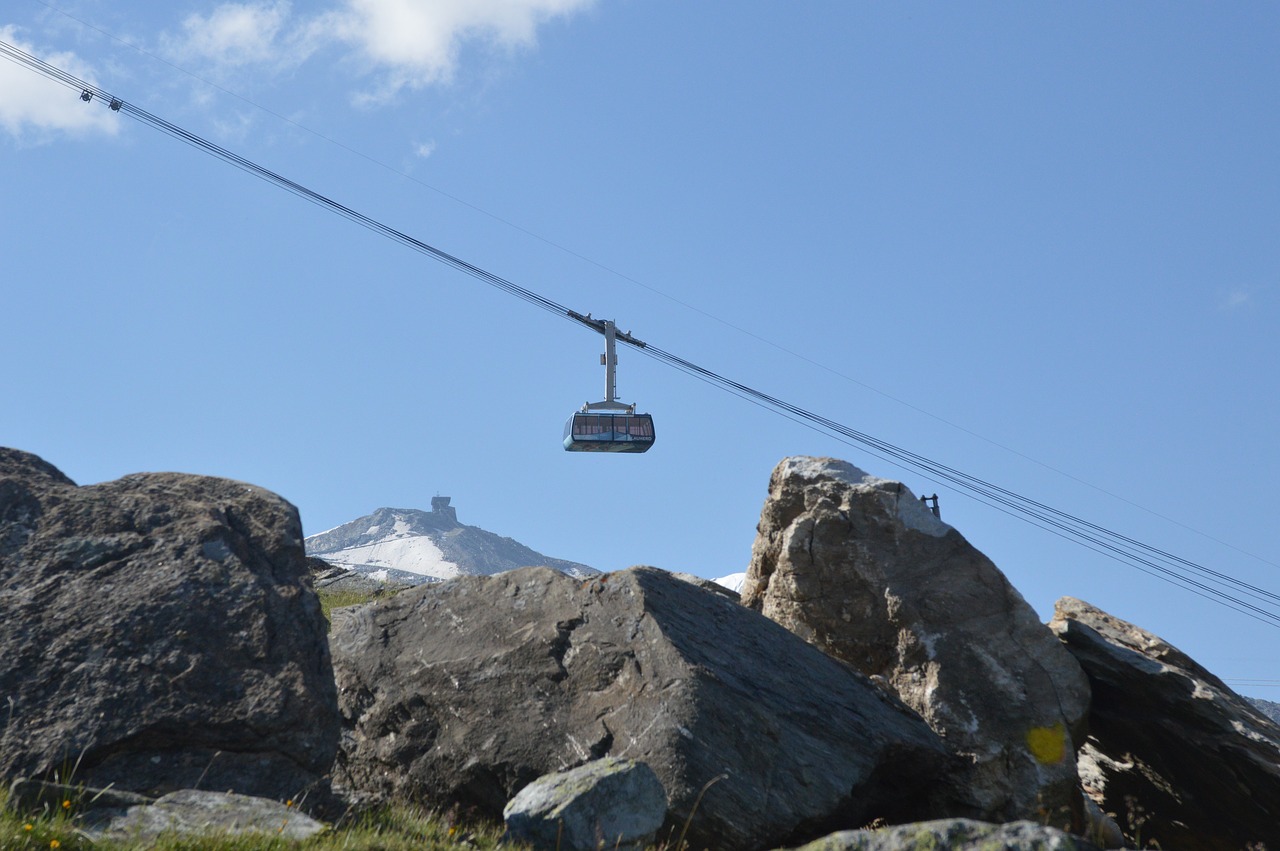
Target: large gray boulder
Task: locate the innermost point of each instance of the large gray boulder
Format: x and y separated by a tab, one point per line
158	633
464	692
1175	754
860	568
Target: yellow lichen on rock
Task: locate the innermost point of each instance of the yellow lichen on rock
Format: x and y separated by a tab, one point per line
1048	744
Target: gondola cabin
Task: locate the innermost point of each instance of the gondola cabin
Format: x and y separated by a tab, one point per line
608	431
608	425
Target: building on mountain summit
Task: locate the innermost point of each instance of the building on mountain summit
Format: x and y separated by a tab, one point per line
440	505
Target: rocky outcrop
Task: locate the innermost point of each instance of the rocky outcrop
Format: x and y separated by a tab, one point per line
466	691
860	568
954	835
1178	757
158	633
607	803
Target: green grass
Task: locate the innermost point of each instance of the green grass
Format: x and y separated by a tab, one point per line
395	828
333	599
330	600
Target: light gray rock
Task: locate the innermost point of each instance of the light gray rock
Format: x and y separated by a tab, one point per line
192	813
860	568
1175	754
954	835
608	803
159	632
130	818
1101	828
467	691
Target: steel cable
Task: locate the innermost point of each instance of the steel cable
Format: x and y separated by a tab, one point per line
1183	573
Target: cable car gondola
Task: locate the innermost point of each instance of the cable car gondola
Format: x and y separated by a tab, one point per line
594	430
610	425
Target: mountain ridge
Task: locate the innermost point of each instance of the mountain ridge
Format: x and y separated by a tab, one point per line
1269	708
410	545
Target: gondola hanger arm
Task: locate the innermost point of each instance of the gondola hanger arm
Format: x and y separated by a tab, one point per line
603	325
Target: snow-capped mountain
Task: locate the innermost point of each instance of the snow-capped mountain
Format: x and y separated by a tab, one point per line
1269	708
733	582
410	546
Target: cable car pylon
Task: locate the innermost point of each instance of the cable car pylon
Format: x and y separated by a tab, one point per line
608	425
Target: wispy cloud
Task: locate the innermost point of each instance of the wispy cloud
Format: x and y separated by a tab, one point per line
401	44
416	43
234	36
424	149
1237	298
395	45
34	107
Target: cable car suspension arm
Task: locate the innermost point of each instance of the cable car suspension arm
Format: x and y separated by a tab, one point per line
609	360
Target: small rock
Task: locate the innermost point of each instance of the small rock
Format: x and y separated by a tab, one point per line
193	812
954	835
608	803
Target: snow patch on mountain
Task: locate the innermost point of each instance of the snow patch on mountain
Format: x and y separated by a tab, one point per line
411	553
407	545
733	581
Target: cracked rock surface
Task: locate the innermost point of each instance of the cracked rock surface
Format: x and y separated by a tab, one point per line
1182	759
159	632
465	692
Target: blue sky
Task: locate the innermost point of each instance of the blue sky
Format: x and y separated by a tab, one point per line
1034	242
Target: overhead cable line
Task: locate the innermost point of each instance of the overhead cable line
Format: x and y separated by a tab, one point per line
1242	597
1114	545
827	368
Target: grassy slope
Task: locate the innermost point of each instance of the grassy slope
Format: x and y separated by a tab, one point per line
400	828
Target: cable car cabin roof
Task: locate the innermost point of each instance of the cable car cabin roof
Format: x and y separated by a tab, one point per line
591	431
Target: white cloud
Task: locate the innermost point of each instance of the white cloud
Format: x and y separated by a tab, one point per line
34	106
405	43
425	149
415	43
235	35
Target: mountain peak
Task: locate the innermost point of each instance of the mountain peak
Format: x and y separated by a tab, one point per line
414	546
